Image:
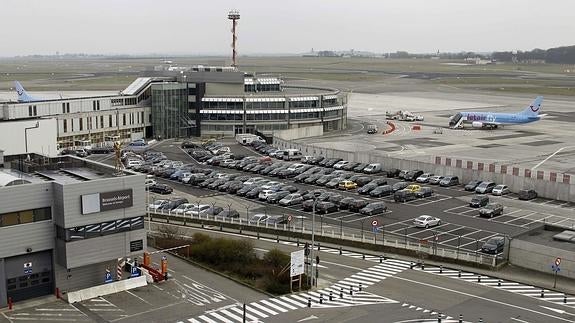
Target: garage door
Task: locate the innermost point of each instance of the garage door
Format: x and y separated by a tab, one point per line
29	276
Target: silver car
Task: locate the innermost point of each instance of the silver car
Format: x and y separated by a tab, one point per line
500	190
426	221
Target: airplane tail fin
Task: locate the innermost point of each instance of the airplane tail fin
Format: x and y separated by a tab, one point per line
23	96
534	108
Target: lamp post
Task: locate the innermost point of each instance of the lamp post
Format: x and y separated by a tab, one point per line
26	134
199	201
247	214
313	282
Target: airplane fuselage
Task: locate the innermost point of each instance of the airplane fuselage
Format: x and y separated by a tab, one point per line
497	118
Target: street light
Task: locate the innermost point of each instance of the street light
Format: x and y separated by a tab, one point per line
315	196
26	134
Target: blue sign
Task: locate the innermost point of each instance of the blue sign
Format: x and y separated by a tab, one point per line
108	277
555	268
135	272
28	271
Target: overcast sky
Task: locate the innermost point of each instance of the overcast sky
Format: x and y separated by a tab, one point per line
292	26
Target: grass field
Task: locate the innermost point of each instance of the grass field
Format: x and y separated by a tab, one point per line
116	73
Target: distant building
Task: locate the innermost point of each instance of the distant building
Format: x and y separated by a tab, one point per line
174	102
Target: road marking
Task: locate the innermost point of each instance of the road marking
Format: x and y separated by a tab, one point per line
481	298
138	297
518	320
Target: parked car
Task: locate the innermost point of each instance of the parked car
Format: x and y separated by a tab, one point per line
334	182
485	187
472	185
277	196
160	189
374	208
291	199
325	207
491	210
479	201
494	245
258	218
350	166
373	168
379	181
424	192
264	194
426	221
413	175
172	204
360	167
392	172
449	181
182	208
527	194
276	219
413	187
362	180
345	202
340	164
254	192
347	185
367	188
434	180
357	205
404	196
424	178
383	190
500	190
402	173
229	213
197	209
157	204
399	186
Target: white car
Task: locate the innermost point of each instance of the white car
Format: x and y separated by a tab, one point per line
424	178
150	182
269	185
264	194
197	210
426	221
419	117
226	162
157	204
500	190
183	208
253	180
340	164
259	218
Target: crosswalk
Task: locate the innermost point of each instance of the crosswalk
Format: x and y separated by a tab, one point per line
510	286
344	293
432	313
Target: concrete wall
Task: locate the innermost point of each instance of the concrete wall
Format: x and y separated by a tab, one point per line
296	133
41	140
547	184
540	257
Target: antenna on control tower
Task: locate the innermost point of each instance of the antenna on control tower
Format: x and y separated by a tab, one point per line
234	16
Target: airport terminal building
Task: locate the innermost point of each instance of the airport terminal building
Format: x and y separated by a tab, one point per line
64	222
195	101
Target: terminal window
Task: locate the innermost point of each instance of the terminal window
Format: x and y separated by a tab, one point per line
27	216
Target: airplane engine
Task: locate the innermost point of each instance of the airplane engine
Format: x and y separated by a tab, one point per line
477	124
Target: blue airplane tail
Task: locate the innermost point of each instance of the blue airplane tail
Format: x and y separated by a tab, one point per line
534	108
23	96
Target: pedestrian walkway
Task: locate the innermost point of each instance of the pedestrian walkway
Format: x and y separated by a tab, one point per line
510	286
347	292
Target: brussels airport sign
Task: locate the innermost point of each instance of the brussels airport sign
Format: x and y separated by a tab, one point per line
99	202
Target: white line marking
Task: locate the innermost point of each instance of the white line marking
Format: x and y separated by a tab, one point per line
138	297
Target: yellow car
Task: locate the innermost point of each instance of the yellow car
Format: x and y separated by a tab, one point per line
347	185
413	188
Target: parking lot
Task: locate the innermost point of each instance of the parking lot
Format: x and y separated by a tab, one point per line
461	226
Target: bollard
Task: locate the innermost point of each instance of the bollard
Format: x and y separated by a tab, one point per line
244	314
318	246
499	283
350	290
459	274
441	269
380	259
363	256
330	295
360	287
542	293
321	298
411	265
258	235
341	292
297	242
9	303
422	266
479	278
480	320
57	293
309	302
202	225
439	315
564	298
277	239
340	250
221	227
460	318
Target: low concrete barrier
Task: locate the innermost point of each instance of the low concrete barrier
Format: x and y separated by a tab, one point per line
106	289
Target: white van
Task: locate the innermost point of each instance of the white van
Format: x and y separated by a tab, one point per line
292	154
372	168
134	162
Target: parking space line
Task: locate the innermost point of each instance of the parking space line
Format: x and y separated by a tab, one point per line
433	201
521	217
138	297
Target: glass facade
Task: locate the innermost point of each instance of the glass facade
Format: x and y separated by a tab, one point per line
170	118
